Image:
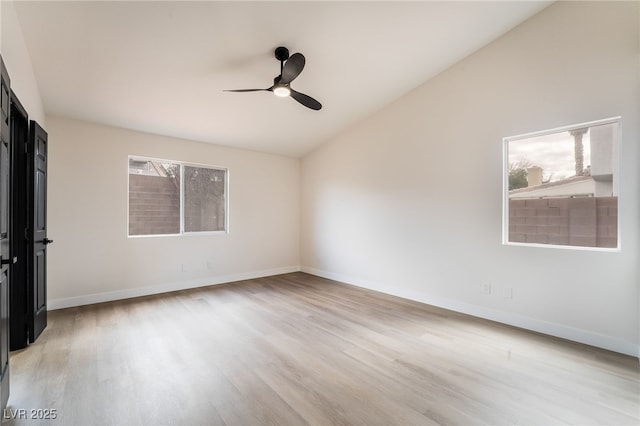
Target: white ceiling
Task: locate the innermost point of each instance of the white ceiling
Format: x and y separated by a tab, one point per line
161	67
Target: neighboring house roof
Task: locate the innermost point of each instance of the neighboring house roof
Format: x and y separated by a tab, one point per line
576	186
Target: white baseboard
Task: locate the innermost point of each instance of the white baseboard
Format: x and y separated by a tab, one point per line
89	299
540	326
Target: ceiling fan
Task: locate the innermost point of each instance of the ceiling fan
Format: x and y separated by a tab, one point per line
290	68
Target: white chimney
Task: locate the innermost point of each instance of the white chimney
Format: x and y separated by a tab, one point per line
534	176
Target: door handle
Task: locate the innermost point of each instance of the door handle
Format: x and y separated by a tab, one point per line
46	241
9	261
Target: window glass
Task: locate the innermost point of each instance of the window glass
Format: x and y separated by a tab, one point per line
154	197
204	199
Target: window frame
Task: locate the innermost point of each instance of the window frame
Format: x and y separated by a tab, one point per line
616	144
181	195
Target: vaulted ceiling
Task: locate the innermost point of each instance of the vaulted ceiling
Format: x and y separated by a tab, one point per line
161	67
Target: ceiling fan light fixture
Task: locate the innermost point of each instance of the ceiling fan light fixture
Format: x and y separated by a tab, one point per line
281	91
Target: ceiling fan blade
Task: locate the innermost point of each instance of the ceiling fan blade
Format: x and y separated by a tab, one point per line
292	68
247	90
306	100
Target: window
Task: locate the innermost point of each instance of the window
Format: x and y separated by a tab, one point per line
561	187
169	198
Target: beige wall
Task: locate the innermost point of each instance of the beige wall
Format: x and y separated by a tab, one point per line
18	63
92	259
409	202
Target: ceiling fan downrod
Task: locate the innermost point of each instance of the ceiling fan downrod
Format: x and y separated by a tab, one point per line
282	54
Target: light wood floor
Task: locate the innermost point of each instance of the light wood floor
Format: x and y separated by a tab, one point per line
296	349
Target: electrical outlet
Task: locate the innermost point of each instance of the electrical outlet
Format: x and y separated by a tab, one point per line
507	293
486	288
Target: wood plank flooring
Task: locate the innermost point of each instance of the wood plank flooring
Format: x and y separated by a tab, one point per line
296	349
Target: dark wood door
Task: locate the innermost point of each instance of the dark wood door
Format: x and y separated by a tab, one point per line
38	285
19	306
5	256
